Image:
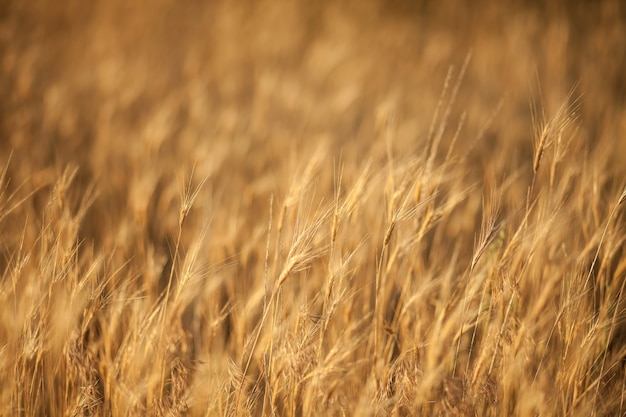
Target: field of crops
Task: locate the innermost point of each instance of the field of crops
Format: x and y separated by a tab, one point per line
284	208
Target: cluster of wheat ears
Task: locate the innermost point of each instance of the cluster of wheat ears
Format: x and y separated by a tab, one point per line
433	268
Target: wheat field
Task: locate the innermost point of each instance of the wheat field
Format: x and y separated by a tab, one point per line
281	208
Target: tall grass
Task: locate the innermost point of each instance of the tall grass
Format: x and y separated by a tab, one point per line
287	244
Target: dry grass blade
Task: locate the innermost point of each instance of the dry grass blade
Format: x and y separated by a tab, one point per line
622	198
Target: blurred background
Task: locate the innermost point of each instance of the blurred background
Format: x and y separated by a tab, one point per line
240	87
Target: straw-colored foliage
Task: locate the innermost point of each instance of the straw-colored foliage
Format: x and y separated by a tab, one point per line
302	208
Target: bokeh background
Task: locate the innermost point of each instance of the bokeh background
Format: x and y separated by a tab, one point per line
245	90
102	82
